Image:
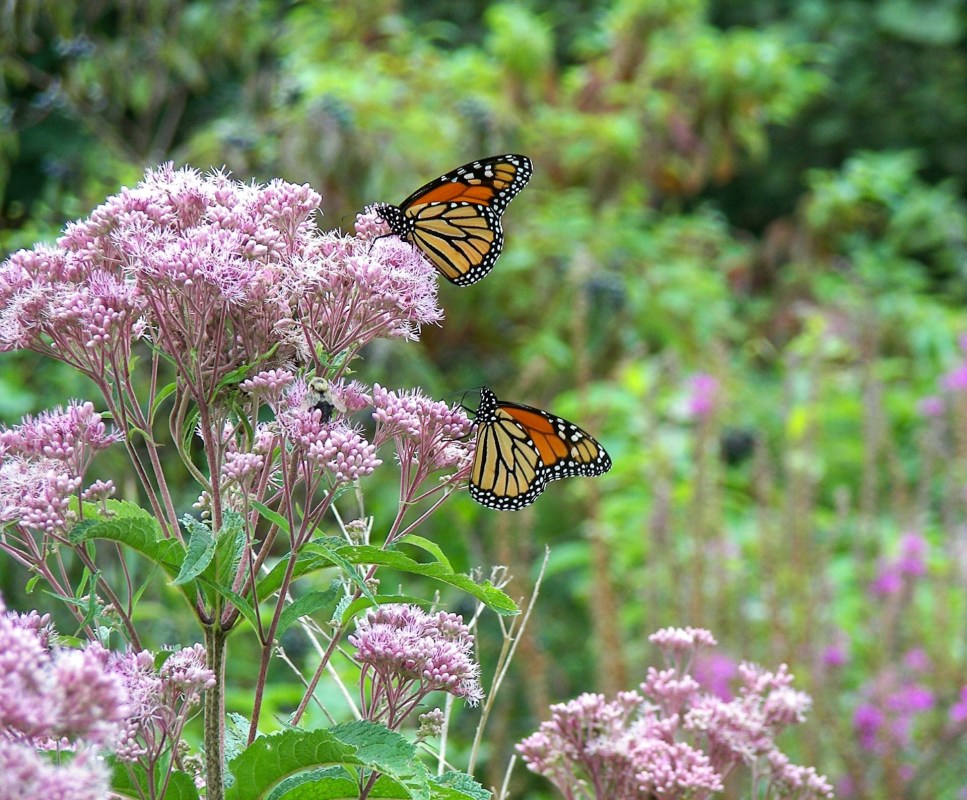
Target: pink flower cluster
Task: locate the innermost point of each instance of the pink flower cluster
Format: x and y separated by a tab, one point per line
85	702
54	699
45	458
350	291
670	740
159	700
406	654
428	435
72	435
217	274
335	446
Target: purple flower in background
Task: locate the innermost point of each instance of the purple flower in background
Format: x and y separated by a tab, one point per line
867	722
910	562
912	558
910	698
715	673
888	580
917	660
835	656
931	406
845	787
958	711
703	395
956	379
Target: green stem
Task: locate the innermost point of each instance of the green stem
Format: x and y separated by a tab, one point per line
215	641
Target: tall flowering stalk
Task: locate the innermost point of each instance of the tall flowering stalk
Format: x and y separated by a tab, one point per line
670	740
215	303
405	655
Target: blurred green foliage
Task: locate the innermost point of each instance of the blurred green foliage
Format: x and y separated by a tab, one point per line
767	192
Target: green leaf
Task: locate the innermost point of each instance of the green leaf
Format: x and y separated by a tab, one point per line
431	547
306	605
271	758
239	374
164	393
245	608
391	754
333	549
229	548
236	734
305	564
131	780
272	516
326	783
457	786
485	592
139	533
201	550
270	765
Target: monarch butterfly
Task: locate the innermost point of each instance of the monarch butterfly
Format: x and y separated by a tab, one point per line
521	449
455	220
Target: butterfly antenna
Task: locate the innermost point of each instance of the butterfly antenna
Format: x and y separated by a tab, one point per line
463	397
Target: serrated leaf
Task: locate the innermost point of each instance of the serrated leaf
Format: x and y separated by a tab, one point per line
485	592
236	734
305	605
430	547
457	786
389	753
270	761
271	758
326	783
139	533
200	552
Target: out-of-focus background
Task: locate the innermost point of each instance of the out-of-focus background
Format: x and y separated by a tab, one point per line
741	263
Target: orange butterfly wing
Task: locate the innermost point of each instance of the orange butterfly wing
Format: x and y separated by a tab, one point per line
455	220
521	449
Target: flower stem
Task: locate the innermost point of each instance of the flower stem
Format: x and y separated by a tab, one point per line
214	717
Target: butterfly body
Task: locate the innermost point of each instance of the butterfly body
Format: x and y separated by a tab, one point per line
455	220
521	449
